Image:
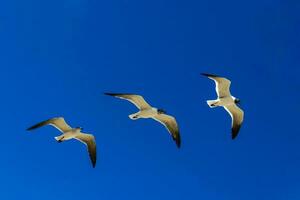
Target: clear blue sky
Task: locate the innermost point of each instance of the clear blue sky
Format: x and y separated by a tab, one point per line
58	57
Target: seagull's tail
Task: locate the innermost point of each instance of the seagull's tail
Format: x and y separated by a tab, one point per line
212	103
133	116
59	138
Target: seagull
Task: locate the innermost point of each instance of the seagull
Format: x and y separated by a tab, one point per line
71	133
146	111
227	101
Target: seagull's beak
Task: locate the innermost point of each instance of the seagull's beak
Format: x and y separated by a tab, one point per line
80	128
238	101
161	111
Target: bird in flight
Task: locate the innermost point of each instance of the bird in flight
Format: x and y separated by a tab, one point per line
71	133
147	111
227	101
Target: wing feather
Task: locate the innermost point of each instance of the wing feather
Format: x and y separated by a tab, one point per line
222	85
57	122
237	117
170	123
137	100
90	142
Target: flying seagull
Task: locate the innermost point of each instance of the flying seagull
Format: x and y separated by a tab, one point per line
146	111
227	101
71	133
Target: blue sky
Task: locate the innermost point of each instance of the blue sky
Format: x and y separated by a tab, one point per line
58	57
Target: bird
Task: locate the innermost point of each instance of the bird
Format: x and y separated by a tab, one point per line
147	111
229	102
69	133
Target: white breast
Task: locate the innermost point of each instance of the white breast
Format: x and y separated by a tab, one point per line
148	113
226	101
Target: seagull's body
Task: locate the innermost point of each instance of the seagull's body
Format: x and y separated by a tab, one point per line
226	100
146	111
69	133
223	101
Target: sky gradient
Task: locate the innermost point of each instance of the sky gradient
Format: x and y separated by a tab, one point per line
58	57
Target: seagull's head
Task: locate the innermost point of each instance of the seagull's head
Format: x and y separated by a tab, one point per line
161	111
79	128
237	101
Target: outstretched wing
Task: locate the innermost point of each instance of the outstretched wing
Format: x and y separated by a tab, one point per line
170	123
222	85
137	100
90	142
57	122
237	117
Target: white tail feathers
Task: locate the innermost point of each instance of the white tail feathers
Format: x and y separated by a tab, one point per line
212	103
59	138
133	116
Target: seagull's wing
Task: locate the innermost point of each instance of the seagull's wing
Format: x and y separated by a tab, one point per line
237	116
57	122
137	100
170	123
90	142
222	85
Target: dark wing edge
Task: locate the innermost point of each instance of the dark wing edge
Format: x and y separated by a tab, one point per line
210	75
38	125
174	132
90	142
237	118
116	94
235	130
92	149
177	138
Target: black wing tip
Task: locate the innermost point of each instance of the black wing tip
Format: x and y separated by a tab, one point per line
178	144
233	136
29	129
93	158
110	94
209	75
43	123
94	164
116	94
38	125
235	132
93	161
33	127
177	141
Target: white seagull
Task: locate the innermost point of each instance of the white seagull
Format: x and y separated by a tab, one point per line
146	111
227	101
71	133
